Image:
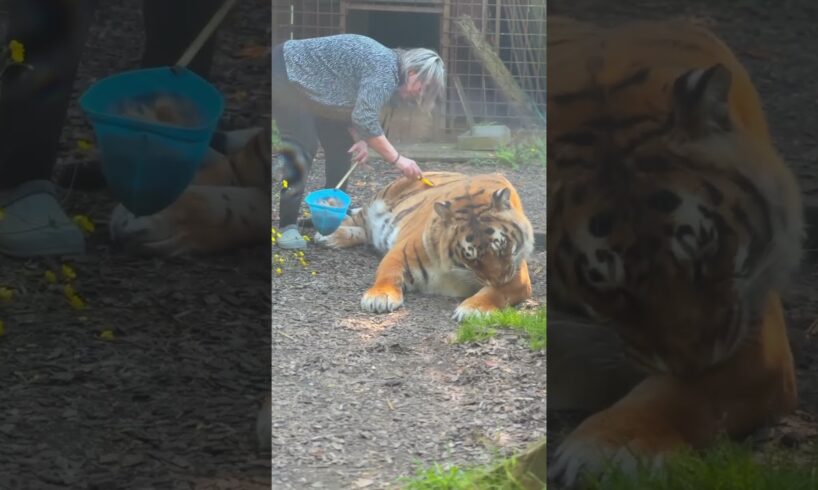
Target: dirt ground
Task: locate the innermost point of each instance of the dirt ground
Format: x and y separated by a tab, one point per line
360	399
775	40
171	401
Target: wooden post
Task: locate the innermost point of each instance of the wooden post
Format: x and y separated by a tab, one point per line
499	73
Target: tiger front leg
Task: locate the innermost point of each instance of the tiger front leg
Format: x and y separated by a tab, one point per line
665	413
204	220
386	294
492	298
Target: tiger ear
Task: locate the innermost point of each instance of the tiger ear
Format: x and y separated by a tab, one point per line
501	199
444	210
700	101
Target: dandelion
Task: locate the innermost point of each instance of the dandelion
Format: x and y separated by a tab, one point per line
84	222
50	277
76	302
68	272
313	273
84	144
107	334
68	291
285	184
279	271
306	238
18	51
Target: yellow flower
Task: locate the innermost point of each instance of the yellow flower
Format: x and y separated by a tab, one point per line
69	291
68	272
76	302
313	273
6	294
18	51
2	329
50	277
84	222
107	334
285	184
306	238
279	271
84	145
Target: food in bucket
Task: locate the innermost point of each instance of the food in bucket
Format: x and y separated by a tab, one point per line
163	108
331	202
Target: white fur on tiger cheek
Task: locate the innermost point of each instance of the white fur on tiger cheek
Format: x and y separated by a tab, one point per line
612	273
696	246
469	252
382	230
498	241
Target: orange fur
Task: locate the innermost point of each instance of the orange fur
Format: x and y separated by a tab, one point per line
672	218
454	239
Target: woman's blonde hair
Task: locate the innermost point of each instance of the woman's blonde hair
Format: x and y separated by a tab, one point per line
430	71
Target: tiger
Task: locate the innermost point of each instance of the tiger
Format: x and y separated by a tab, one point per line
465	236
673	222
226	206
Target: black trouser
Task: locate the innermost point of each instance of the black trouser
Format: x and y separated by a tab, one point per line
304	124
33	103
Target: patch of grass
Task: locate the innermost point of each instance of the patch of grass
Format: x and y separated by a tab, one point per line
530	151
533	323
497	476
727	466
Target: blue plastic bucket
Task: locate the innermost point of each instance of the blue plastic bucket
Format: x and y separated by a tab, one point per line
327	219
149	164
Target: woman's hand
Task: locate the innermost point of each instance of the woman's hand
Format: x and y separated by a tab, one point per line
409	167
360	152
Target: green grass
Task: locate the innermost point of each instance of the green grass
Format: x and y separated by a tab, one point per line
727	466
497	476
530	151
532	323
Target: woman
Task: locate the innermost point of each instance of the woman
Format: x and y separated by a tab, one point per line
331	90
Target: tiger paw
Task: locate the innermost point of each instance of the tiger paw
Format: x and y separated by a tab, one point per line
600	446
145	235
472	307
323	240
382	299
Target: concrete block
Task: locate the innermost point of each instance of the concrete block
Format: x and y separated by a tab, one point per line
489	137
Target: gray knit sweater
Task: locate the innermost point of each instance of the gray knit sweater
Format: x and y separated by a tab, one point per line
345	72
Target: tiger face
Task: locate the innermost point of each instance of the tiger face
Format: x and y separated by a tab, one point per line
485	239
666	225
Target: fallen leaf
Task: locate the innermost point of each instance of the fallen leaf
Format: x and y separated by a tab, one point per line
253	51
